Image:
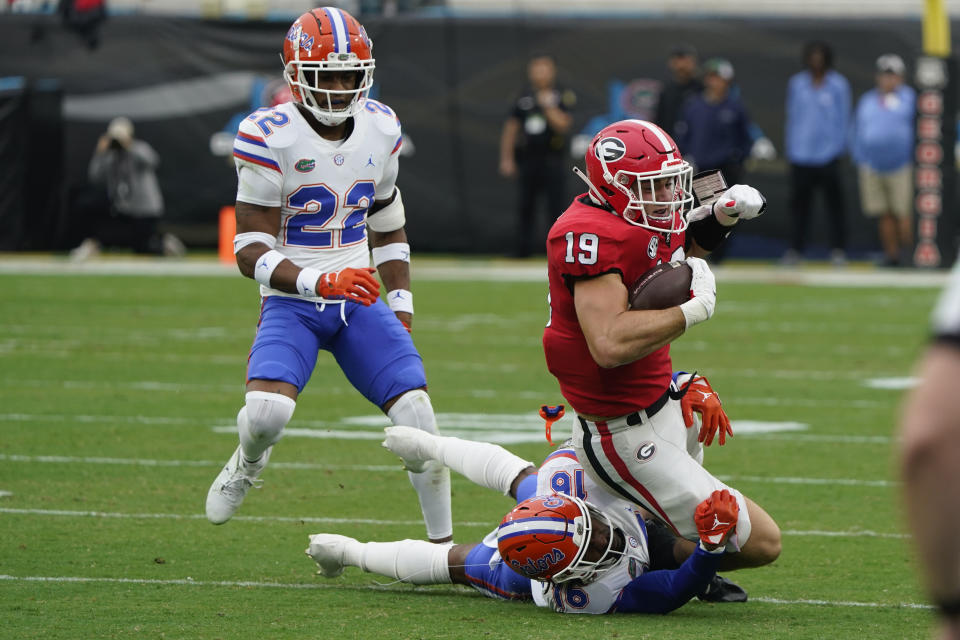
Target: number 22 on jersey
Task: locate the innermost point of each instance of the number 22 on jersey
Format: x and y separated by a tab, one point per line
321	222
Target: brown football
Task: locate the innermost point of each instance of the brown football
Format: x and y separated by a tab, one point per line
664	286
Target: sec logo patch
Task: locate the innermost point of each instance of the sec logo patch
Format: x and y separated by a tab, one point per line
646	451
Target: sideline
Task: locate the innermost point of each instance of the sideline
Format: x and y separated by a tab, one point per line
426	267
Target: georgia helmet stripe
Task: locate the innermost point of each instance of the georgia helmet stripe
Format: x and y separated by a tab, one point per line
341	35
661	136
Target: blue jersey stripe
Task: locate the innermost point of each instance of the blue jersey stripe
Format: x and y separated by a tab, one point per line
266	162
246	137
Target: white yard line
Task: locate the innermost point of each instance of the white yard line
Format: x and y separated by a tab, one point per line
190	582
489	270
64	513
307	466
200	516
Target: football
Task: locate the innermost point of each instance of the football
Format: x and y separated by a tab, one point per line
664	286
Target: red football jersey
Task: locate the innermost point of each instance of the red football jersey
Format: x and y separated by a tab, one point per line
588	241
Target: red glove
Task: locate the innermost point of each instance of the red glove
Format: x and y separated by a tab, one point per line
716	518
701	397
356	285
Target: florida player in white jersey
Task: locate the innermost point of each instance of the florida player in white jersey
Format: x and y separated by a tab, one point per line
613	363
317	184
620	568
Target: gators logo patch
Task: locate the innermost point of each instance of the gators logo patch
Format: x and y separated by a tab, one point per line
305	165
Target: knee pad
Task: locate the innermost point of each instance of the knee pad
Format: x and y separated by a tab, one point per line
413	409
262	419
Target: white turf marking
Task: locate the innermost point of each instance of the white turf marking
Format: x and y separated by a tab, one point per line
190	582
306	466
894	384
194	463
495	270
200	516
843	603
380	523
845	534
508	428
4	494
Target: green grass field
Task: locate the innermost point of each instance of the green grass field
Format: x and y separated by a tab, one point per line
117	400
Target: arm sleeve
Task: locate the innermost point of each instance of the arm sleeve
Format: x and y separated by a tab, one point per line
664	591
708	233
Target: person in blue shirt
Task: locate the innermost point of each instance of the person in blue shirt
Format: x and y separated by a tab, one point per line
882	148
817	121
714	129
714	132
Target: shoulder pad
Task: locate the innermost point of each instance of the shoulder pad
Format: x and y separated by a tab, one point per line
382	117
275	127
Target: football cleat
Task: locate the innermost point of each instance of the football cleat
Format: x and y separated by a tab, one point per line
722	590
326	549
230	488
415	447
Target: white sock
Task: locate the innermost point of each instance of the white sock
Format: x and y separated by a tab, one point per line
413	561
485	464
413	409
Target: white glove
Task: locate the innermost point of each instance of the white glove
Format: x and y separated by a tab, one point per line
704	287
740	201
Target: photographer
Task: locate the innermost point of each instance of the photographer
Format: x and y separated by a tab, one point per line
127	167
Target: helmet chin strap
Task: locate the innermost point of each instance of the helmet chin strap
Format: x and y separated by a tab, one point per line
592	191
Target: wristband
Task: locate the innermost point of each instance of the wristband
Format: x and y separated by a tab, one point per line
307	282
393	251
716	552
242	240
400	300
694	312
266	265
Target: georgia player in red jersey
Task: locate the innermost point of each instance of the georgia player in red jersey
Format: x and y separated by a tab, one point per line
613	363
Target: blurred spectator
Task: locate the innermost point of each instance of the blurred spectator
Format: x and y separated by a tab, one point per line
127	167
817	120
714	129
533	146
882	148
84	18
682	84
930	460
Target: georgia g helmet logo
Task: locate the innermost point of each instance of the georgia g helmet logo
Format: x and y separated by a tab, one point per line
611	149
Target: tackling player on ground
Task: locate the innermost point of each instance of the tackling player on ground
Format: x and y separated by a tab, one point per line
613	363
316	183
568	544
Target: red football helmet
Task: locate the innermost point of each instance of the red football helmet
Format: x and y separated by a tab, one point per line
325	40
635	167
549	538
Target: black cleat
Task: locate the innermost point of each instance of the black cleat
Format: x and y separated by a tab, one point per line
722	590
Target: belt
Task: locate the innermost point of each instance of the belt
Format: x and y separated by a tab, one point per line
638	417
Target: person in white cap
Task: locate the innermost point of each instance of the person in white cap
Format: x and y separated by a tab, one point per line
882	148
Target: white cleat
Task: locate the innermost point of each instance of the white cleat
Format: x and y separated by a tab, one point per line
415	447
327	551
230	488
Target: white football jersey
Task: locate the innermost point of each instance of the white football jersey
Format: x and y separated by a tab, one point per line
561	469
324	189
